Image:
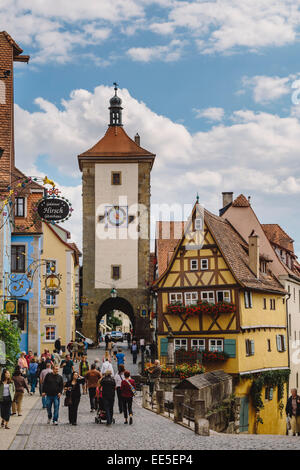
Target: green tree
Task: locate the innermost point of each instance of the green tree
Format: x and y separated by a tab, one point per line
113	321
11	336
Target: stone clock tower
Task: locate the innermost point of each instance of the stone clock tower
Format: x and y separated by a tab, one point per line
116	227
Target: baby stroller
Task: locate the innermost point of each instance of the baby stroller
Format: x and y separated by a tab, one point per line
101	413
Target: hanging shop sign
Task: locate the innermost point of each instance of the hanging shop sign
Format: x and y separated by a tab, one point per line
54	209
10	307
52	284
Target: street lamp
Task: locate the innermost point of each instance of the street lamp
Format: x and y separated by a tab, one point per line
113	293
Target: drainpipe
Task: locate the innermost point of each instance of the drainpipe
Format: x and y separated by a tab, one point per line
288	296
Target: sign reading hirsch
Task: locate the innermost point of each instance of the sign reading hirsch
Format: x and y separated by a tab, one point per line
53	209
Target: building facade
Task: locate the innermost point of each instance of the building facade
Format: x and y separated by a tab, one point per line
215	299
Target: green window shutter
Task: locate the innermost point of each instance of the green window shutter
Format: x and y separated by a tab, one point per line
230	347
163	346
252	347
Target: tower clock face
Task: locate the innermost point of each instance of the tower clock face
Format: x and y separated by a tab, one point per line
116	216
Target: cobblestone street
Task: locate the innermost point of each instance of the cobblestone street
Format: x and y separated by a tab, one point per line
149	431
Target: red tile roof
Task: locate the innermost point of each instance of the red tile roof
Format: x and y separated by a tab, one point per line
278	236
241	201
168	233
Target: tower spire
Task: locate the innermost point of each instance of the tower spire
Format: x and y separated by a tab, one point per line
115	108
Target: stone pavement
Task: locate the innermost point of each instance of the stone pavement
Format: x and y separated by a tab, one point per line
149	431
15	422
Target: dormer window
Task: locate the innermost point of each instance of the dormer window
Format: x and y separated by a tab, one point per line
20	207
198	224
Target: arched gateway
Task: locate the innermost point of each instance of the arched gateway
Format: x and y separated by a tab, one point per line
117	303
116	226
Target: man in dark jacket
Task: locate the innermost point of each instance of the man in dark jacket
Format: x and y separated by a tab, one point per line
52	388
108	396
57	345
293	411
134	351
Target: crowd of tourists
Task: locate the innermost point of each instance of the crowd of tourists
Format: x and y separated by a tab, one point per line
54	375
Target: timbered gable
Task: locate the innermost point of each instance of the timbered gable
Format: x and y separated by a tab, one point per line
197	268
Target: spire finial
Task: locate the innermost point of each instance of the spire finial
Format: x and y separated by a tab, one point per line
115	108
197	199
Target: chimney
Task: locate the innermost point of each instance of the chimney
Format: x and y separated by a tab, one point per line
227	198
137	139
254	253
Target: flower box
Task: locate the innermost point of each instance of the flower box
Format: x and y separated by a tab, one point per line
201	308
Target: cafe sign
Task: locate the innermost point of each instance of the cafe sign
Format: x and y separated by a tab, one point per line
54	209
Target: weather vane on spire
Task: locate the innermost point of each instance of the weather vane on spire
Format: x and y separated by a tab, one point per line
116	86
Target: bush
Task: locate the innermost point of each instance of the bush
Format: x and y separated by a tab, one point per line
11	337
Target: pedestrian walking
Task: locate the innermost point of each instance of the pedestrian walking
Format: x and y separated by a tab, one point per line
75	350
154	376
128	389
22	362
41	366
80	348
72	400
86	346
106	339
109	345
57	345
32	372
83	369
56	357
293	411
120	357
7	395
142	345
68	368
119	376
97	364
106	366
52	388
20	385
43	374
108	395
129	340
70	348
92	377
134	351
28	357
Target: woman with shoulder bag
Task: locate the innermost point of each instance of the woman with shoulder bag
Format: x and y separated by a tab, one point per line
128	390
119	376
72	389
7	395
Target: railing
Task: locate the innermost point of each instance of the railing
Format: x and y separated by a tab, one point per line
169	407
188	413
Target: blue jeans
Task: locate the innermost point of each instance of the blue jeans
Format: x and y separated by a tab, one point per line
33	381
55	401
44	402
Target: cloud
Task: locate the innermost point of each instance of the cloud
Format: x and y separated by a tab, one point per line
211	114
169	53
266	89
256	153
59	31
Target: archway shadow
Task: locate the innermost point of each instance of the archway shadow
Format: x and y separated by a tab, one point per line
118	303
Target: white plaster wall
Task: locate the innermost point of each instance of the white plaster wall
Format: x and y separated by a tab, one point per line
118	245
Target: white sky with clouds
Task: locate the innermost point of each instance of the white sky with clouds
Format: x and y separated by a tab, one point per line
250	147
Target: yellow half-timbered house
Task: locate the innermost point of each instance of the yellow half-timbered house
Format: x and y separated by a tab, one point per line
215	296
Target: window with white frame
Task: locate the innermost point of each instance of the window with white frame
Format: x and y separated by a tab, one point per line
175	297
216	345
50	267
198	344
20	207
194	265
50	299
249	343
204	264
208	296
281	343
248	299
223	296
50	332
190	298
198	224
181	344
